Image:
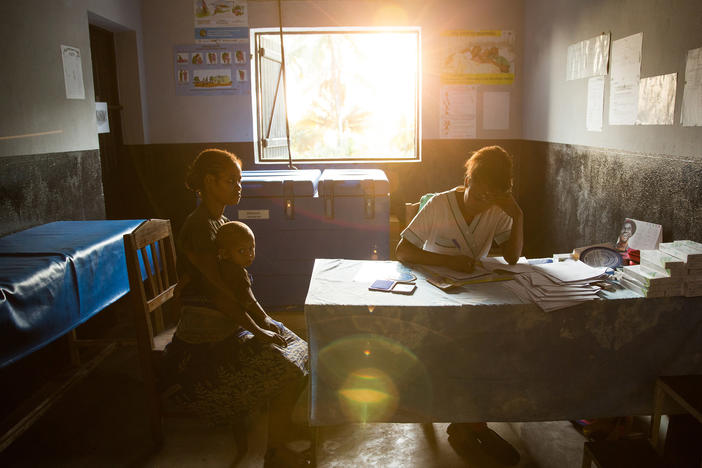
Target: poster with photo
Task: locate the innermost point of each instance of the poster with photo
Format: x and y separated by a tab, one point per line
639	235
212	69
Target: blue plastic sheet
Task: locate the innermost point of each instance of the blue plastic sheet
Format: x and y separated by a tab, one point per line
56	276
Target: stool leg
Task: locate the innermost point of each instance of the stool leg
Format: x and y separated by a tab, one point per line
315	450
587	459
658	399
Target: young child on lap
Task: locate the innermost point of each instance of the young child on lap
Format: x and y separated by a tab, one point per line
236	247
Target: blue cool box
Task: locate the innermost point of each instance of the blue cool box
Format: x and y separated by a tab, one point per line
301	215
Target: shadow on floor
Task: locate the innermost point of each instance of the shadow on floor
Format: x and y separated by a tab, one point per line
102	422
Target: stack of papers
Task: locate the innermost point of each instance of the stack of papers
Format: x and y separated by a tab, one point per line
445	278
651	283
551	286
558	285
674	269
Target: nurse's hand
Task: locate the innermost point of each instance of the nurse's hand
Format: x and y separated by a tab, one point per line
461	263
509	205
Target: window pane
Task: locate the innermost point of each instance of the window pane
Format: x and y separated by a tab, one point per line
351	95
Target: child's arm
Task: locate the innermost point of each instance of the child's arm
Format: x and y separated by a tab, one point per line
243	317
226	301
255	310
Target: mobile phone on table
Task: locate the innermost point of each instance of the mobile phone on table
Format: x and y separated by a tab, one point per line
404	288
382	285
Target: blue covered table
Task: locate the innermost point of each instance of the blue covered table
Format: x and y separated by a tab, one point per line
480	354
56	276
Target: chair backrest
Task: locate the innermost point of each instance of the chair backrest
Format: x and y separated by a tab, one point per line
151	266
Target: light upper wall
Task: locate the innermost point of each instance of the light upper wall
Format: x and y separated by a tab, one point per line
32	91
185	119
555	109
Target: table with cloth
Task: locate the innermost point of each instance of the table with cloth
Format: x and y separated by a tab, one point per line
55	276
478	353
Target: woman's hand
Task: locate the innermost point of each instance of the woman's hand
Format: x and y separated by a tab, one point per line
268	336
270	324
461	263
509	205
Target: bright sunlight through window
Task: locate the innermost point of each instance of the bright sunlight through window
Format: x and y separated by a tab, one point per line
352	95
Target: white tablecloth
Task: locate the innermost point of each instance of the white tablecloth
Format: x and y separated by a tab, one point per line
480	354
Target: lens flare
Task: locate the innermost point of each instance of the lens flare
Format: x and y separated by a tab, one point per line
368	395
370	376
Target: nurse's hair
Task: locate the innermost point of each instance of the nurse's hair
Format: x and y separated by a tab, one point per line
211	161
231	233
492	166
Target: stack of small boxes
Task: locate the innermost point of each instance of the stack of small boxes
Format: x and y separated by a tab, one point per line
675	269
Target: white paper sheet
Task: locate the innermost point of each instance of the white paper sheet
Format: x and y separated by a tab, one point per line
624	80
101	115
570	271
499	263
72	72
496	110
692	94
588	58
657	100
595	103
458	111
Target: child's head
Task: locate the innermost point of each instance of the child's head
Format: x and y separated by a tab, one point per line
236	243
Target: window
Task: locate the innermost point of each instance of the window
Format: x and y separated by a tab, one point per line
353	95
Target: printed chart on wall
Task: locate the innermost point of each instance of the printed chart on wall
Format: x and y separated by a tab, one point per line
221	20
477	57
458	111
212	69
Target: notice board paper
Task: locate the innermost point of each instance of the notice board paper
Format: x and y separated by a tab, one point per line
691	114
496	110
624	80
657	100
595	103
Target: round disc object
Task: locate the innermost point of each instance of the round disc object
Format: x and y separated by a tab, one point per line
601	257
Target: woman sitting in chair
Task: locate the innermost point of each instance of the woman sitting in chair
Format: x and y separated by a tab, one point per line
455	229
225	364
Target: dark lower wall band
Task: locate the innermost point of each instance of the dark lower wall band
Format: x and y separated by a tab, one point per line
38	189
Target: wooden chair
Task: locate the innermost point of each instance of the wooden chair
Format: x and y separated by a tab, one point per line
150	251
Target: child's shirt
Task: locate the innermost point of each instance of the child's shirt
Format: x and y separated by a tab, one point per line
237	279
205	324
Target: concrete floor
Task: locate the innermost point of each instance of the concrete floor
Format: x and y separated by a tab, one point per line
101	422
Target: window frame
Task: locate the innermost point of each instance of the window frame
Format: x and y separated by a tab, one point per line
256	94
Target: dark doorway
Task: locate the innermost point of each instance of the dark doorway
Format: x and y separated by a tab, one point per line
102	52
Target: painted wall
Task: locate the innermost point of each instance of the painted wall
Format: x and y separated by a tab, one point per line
32	89
49	158
190	119
578	186
554	109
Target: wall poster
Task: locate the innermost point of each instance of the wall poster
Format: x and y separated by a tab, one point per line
212	69
458	111
477	57
221	20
